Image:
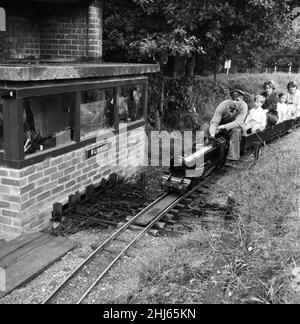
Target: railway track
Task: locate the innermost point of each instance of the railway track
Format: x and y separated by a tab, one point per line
114	248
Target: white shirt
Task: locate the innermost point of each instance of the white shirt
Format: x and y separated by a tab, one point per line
282	109
294	99
257	118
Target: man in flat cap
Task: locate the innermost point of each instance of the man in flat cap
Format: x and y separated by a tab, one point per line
230	116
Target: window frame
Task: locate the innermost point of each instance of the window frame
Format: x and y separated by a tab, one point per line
14	156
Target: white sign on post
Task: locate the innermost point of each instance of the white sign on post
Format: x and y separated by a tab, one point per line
2	20
228	65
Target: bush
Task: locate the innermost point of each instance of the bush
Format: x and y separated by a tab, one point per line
187	104
253	83
207	96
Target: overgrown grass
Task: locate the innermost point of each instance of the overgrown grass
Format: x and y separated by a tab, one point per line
249	261
253	83
269	225
255	264
182	98
208	95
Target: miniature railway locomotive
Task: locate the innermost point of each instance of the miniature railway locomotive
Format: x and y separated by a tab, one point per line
213	155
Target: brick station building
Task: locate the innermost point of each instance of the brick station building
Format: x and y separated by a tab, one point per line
67	120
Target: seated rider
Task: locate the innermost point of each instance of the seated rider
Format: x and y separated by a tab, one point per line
229	117
270	104
293	99
282	108
257	118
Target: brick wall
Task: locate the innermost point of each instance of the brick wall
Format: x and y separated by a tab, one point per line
21	39
27	196
53	31
63	32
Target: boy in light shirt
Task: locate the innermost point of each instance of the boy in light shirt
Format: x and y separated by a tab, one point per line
293	99
282	108
257	118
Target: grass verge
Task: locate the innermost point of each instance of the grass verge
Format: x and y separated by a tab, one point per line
254	259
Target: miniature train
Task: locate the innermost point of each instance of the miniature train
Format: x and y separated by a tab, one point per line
214	153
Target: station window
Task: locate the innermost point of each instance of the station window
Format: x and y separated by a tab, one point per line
131	103
96	111
48	122
1	125
55	123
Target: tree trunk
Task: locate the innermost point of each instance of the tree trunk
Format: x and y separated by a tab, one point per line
179	66
215	70
162	99
190	66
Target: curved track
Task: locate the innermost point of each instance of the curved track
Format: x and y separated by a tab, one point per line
156	210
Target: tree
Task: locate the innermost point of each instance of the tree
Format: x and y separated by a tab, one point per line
181	31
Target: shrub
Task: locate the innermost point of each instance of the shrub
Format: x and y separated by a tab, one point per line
187	104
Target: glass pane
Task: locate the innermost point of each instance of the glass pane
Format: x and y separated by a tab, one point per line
131	103
48	122
96	111
1	125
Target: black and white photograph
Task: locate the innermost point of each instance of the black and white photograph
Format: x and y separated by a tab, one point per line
149	155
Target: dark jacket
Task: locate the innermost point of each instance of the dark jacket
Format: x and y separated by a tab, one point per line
271	103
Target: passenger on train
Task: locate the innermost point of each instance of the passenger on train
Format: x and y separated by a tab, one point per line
293	99
229	118
270	105
282	108
257	118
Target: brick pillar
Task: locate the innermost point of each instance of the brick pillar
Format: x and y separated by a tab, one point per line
95	24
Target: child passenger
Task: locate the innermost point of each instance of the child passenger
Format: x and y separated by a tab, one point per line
282	108
257	118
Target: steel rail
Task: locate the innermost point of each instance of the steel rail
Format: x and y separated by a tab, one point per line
123	228
140	235
101	247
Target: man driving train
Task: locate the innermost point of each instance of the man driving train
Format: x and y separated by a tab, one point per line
229	118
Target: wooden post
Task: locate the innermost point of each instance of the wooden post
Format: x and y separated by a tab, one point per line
90	191
57	212
117	93
113	179
290	68
104	184
13	129
76	120
145	101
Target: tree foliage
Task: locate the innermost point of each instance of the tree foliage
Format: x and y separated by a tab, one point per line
205	31
155	30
